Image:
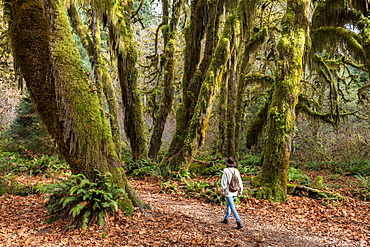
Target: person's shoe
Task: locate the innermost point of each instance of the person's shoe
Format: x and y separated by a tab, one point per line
239	225
225	221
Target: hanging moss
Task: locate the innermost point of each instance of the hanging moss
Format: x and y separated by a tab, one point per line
332	36
102	77
328	13
210	86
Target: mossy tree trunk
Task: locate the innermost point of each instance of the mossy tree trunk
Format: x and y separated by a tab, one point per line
281	111
65	97
254	42
169	34
231	150
116	16
134	124
102	76
249	42
222	108
204	22
198	124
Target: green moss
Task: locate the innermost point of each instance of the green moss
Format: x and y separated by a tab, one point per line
332	36
272	193
281	116
291	188
165	28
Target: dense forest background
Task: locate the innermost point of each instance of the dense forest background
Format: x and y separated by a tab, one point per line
170	88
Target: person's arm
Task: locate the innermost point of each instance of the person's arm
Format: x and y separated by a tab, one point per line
224	180
240	184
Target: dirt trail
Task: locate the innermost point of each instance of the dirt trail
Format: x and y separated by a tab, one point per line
261	227
179	221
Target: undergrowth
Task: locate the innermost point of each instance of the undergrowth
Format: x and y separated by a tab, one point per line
87	202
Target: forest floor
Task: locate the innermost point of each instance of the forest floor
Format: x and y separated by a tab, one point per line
179	221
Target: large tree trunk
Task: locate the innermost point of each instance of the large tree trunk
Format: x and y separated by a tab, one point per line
102	76
194	73
165	105
281	112
231	150
120	34
64	95
195	135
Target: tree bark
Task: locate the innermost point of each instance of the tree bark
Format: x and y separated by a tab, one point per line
65	97
102	76
123	45
195	135
194	71
231	150
281	112
165	105
222	108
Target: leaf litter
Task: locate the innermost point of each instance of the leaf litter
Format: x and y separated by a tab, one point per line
179	221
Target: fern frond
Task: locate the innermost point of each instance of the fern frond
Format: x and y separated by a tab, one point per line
76	210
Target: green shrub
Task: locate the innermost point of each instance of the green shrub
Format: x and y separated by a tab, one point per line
315	166
181	175
11	162
250	170
142	168
195	188
358	166
168	187
214	170
84	200
14	187
209	192
319	182
364	182
298	176
250	160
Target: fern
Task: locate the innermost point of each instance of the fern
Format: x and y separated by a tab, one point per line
83	199
76	210
101	218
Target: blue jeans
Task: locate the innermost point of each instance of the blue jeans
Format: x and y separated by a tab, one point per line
231	208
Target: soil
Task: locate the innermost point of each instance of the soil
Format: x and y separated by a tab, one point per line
179	221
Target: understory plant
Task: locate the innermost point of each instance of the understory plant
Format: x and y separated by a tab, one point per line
209	192
298	176
142	168
87	202
16	163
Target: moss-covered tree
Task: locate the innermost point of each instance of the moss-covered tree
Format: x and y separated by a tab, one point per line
281	110
65	97
203	24
197	126
91	43
118	21
169	30
250	41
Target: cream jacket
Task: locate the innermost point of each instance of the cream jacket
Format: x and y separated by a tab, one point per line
225	181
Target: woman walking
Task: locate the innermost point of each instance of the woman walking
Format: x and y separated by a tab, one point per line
229	191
